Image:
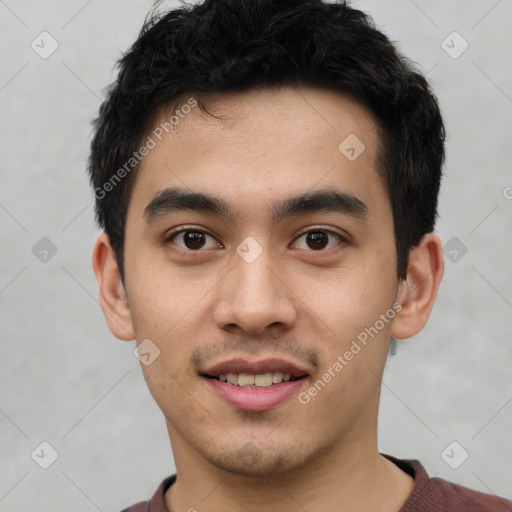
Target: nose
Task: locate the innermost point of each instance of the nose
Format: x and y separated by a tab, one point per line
254	298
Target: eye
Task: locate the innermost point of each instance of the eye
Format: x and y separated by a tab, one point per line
192	239
318	240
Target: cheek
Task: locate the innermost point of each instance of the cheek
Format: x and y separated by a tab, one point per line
170	394
348	301
173	313
162	301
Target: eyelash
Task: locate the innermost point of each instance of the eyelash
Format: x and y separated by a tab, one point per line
173	235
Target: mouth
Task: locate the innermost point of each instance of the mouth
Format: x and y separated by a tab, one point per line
264	373
255	386
261	380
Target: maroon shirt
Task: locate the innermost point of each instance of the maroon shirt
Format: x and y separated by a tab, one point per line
428	495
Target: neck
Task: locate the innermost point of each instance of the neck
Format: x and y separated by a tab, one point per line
351	476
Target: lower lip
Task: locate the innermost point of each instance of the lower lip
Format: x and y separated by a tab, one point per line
256	399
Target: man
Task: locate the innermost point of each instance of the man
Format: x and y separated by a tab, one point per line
266	174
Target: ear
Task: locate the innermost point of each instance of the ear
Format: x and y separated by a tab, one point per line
418	291
111	289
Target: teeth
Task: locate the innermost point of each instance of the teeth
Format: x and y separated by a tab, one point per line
277	378
245	380
263	380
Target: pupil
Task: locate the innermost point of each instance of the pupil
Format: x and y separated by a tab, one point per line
193	239
317	240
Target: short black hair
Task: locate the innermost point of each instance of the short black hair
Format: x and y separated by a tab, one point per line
218	46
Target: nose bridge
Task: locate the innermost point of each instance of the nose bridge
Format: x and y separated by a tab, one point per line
255	276
254	298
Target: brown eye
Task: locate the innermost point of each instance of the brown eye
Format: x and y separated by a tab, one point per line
193	240
318	239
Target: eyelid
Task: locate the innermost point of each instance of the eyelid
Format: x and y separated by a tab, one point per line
343	236
170	235
186	227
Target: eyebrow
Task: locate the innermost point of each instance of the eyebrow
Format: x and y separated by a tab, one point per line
175	199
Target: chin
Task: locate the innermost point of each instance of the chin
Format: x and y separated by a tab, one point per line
252	460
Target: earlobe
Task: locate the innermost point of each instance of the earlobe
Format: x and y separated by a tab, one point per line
417	293
112	294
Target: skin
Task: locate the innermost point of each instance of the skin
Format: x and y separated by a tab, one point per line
294	302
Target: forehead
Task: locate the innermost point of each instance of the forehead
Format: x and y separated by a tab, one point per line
263	145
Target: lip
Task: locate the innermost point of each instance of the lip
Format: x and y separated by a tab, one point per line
255	399
240	365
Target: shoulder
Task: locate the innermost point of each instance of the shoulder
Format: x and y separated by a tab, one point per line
467	499
157	502
438	495
142	506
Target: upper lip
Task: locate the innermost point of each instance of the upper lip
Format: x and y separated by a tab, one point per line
240	365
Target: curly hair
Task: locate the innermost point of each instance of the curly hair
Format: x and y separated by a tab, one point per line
220	46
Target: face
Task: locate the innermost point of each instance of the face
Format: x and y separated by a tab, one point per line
256	246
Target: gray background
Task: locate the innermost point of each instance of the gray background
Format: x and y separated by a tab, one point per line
67	381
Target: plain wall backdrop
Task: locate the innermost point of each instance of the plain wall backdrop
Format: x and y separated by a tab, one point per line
65	380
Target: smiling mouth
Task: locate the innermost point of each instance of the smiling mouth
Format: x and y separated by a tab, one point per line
262	380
